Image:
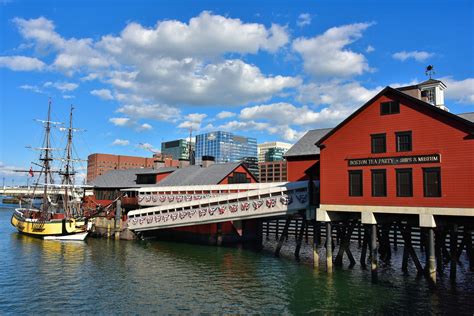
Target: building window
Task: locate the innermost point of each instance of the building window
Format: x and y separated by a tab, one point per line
392	107
432	182
379	182
404	182
355	183
378	143
238	177
403	141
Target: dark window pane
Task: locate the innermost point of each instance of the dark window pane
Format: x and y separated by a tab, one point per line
392	107
355	183
432	182
404	142
378	143
404	182
379	182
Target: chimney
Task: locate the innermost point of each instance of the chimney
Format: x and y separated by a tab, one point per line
207	161
157	164
183	163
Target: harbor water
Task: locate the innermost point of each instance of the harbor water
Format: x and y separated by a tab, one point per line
142	277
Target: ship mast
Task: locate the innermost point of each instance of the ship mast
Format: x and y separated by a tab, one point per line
46	159
69	172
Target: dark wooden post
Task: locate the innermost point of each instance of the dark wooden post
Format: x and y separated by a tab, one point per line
315	247
453	249
373	250
282	237
277	228
300	238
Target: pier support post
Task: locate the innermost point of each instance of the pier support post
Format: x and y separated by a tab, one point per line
395	238
300	238
431	255
373	249
453	239
118	216
329	247
267	227
277	228
282	237
365	245
315	247
469	250
219	234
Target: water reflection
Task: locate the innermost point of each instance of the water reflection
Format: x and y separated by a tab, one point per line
114	277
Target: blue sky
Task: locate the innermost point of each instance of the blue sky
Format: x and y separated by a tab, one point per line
140	72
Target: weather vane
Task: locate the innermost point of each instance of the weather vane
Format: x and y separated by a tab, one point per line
429	71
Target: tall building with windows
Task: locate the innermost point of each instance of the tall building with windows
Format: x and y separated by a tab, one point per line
225	147
272	151
179	149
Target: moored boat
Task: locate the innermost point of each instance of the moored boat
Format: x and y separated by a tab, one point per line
60	214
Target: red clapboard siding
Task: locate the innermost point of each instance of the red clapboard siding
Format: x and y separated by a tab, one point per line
431	133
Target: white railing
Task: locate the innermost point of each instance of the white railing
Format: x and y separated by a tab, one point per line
155	196
264	202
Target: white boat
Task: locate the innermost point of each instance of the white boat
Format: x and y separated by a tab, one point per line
72	237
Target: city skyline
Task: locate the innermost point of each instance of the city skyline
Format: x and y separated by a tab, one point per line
140	74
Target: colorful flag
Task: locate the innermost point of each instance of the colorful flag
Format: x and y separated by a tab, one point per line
31	172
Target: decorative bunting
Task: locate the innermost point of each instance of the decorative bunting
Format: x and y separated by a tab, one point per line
270	202
286	200
202	212
179	198
222	209
154	198
257	204
212	210
233	208
162	198
141	220
165	217
174	216
302	197
183	214
149	219
244	206
134	221
148	198
191	213
157	218
141	197
170	198
188	198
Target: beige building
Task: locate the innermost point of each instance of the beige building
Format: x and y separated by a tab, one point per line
265	147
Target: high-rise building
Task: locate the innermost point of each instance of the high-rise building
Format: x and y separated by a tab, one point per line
225	147
272	151
179	149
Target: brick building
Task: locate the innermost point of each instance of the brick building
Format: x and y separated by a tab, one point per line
274	171
98	164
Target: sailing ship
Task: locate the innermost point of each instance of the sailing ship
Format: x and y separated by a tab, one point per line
60	215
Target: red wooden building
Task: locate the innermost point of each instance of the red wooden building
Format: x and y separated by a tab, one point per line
400	154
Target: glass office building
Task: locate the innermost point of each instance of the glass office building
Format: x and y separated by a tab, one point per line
225	147
179	149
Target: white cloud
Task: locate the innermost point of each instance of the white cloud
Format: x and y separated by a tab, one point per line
416	55
369	49
104	94
193	121
225	114
67	97
304	19
7	170
205	35
62	86
461	91
327	55
145	127
120	142
157	112
71	54
33	88
120	121
148	147
21	63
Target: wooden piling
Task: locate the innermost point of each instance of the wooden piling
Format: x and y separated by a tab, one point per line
315	247
346	233
453	239
431	255
277	228
395	238
282	237
300	238
329	247
373	249
267	227
359	233
365	245
469	250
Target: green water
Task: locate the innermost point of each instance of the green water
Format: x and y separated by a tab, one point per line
128	277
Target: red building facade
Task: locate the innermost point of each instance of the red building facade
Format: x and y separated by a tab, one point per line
397	150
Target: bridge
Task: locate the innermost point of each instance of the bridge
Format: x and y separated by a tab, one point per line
38	192
250	201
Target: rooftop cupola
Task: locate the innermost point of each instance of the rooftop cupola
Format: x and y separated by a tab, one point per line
432	91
